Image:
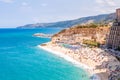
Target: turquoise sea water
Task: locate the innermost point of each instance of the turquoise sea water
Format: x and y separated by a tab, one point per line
21	59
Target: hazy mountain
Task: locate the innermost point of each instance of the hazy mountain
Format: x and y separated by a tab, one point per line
104	18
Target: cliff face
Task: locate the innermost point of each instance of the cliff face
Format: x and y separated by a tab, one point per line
77	35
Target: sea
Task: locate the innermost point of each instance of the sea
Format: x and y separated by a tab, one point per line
22	59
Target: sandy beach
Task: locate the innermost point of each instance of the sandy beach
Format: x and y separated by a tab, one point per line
73	61
62	55
99	64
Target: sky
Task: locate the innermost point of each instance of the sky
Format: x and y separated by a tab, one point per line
15	13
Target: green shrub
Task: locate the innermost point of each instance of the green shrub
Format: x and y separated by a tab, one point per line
91	43
91	25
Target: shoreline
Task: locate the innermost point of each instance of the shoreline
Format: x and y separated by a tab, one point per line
88	69
65	57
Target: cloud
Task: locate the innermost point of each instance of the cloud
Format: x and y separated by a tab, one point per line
6	1
24	4
109	3
44	4
25	7
107	6
99	1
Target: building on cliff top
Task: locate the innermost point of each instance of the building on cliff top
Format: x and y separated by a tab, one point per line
113	40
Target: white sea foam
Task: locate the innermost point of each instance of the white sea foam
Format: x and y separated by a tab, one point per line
64	56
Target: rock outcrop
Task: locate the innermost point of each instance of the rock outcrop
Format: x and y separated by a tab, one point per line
77	34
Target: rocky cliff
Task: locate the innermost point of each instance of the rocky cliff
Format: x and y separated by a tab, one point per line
77	34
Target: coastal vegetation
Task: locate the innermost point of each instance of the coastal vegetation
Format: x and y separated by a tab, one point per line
91	25
94	33
91	43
